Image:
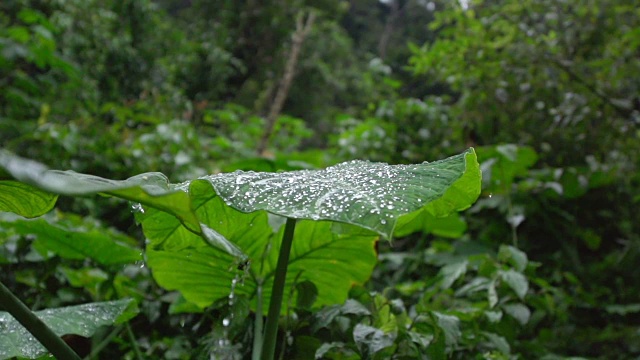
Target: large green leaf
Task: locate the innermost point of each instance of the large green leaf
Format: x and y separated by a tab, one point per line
151	189
235	213
81	320
105	246
332	259
371	195
374	196
14	193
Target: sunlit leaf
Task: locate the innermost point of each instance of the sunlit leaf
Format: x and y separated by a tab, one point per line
24	200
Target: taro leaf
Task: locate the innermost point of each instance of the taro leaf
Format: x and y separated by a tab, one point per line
81	320
332	256
307	292
151	189
14	195
233	213
374	196
104	246
333	262
452	226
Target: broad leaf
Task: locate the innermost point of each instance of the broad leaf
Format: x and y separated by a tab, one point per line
81	320
104	246
371	195
151	189
24	200
233	213
333	262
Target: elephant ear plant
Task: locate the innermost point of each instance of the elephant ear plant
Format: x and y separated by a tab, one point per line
206	236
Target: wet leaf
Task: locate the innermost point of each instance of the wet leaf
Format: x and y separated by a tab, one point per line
374	196
151	189
81	320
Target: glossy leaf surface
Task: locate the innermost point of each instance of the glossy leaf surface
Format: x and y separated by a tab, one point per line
81	320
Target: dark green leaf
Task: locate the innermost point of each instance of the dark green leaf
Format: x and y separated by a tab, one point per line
105	247
307	293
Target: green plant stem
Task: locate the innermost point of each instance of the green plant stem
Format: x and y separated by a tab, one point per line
271	328
105	341
134	342
257	325
52	342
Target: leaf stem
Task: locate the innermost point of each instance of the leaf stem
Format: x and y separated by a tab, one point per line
257	325
52	342
271	328
134	342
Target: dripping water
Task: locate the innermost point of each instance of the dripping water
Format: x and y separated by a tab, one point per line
222	346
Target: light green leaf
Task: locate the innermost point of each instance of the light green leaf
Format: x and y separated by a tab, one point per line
81	320
514	256
371	340
450	325
499	342
333	262
519	312
492	294
450	273
516	281
452	226
501	164
24	200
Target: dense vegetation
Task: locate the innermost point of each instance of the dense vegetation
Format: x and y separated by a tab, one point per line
543	265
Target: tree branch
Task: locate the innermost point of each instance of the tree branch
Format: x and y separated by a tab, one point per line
302	30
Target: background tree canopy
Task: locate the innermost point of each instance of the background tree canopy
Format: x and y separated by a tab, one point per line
544	265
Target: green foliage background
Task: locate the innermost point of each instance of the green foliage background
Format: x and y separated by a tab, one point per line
543	265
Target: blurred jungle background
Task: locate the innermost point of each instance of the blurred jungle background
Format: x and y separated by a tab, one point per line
546	91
